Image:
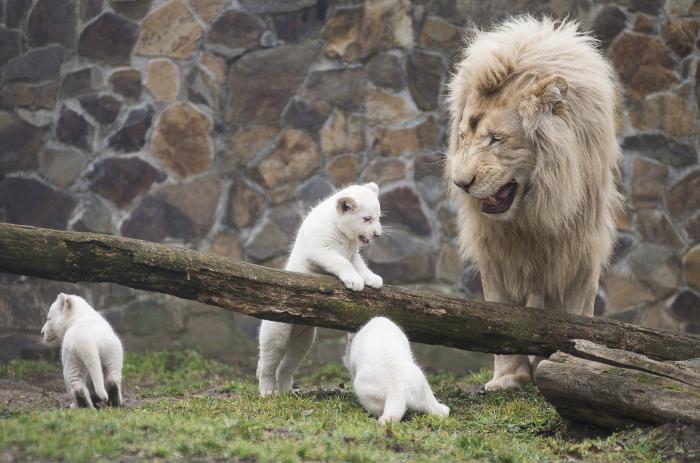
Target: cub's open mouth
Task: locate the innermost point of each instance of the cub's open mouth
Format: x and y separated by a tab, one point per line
364	239
501	201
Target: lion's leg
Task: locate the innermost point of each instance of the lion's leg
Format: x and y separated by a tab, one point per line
509	371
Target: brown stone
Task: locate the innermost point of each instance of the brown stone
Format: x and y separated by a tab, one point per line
73	129
345	88
249	141
691	267
52	21
644	63
692	229
214	65
207	9
181	139
438	33
344	169
388	108
197	199
245	205
123	179
428	165
29	202
425	73
95	217
267	242
258	91
624	291
449	266
313	191
385	70
90	8
32	96
669	112
227	245
163	80
61	167
648	182
20	143
683	197
609	22
447	220
654	227
355	33
109	38
343	133
402	206
680	35
397	142
234	32
644	23
294	158
126	82
103	108
384	170
656	267
132	134
170	31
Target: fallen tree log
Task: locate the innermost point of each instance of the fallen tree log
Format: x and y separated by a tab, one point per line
615	389
318	300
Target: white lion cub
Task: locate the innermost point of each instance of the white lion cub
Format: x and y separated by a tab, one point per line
91	352
385	377
328	241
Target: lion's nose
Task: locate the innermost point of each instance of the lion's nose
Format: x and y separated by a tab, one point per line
465	185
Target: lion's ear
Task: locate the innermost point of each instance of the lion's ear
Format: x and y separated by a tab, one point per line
547	95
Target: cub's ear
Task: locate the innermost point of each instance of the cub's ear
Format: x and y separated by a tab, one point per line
372	186
345	204
67	303
548	95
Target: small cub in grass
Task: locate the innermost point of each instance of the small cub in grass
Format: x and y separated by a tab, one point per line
385	376
91	352
328	241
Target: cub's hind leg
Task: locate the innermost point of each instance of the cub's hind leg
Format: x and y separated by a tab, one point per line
300	341
274	338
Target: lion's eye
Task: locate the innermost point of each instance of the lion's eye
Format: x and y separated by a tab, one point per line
493	139
367	219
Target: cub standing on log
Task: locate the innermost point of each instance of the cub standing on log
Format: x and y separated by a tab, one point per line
328	241
91	352
385	377
532	163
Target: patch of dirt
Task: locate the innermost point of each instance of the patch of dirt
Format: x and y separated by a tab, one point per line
21	396
573	431
678	442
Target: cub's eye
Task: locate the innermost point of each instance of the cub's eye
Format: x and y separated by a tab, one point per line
493	139
367	219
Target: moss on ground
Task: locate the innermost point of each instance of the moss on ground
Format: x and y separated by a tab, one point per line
181	406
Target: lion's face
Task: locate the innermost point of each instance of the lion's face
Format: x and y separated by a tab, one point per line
492	161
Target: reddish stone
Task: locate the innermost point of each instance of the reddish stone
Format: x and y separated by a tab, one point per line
643	62
683	197
110	39
425	74
234	32
132	135
73	129
680	35
127	83
609	22
29	202
648	182
155	220
402	206
103	108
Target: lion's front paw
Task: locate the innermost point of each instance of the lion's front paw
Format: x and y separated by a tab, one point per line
352	281
507	382
373	280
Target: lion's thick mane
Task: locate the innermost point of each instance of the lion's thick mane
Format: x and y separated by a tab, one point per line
567	217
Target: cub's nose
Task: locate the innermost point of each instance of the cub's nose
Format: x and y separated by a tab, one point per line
465	185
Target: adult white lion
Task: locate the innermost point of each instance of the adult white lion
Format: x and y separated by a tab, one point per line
532	163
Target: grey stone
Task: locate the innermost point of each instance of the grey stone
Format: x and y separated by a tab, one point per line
296	26
20	143
306	115
425	73
16	12
109	39
103	108
275	6
313	191
61	167
609	22
154	220
95	217
402	207
385	70
656	267
345	88
52	21
132	135
80	81
72	129
686	306
25	95
402	259
661	148
234	32
9	45
34	66
267	242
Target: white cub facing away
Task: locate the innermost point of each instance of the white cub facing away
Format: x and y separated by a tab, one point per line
91	352
385	377
328	241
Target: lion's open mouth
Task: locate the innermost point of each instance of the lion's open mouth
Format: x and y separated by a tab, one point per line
364	239
501	201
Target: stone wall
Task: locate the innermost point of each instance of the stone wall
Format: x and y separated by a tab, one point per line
215	124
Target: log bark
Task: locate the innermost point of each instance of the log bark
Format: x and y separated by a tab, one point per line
615	389
318	300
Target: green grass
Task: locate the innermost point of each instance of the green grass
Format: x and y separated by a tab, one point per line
186	418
